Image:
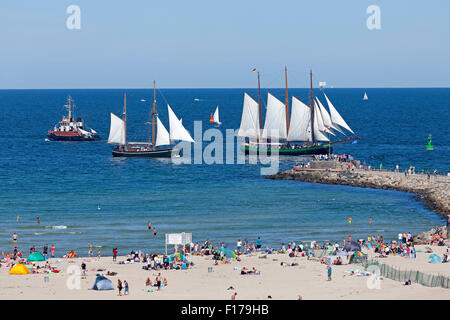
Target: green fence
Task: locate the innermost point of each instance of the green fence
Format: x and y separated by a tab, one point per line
415	276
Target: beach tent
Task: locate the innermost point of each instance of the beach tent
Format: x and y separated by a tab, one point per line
434	258
179	256
228	253
35	256
102	283
19	269
352	246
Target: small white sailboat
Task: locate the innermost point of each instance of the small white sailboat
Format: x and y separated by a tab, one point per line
98	207
365	96
216	117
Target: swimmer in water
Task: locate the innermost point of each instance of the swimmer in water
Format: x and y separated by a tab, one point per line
149	224
154	231
349	220
38	220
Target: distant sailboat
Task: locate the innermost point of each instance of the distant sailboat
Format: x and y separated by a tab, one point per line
365	96
215	117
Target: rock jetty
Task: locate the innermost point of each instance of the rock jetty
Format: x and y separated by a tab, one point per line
433	190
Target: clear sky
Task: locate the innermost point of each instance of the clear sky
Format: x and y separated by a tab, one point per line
215	44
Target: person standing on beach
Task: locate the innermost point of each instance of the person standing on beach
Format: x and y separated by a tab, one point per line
53	250
158	281
233	296
329	273
125	283
83	269
258	244
45	251
154	231
115	254
90	250
99	253
119	286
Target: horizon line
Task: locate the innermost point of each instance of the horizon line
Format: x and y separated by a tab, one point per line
228	88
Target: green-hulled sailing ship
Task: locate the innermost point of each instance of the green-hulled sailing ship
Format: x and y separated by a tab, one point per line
306	132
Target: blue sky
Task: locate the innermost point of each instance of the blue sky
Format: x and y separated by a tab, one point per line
214	44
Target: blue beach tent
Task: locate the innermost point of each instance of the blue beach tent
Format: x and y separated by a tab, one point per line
434	258
102	283
228	253
178	255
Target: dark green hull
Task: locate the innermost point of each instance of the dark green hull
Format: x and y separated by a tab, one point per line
311	150
164	153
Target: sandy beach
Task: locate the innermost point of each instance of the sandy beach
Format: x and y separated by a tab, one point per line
308	279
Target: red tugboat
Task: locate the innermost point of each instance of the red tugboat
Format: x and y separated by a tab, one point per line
70	130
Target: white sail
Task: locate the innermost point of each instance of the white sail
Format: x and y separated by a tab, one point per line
93	131
250	118
177	131
275	124
117	130
336	118
365	96
318	125
216	116
84	132
325	118
162	135
300	125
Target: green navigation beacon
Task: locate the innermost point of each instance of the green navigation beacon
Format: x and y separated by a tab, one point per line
429	145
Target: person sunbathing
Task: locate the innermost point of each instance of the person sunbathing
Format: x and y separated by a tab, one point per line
148	282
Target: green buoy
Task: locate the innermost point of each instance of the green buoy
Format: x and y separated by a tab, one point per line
429	145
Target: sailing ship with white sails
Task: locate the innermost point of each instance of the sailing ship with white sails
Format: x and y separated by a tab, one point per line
365	96
306	132
159	147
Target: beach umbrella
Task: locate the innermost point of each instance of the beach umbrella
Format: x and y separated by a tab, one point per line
19	269
35	256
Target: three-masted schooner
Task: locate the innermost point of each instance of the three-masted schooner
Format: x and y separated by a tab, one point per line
306	132
118	135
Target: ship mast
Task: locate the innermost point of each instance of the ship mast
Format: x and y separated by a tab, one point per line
153	114
70	108
259	102
287	103
125	116
312	109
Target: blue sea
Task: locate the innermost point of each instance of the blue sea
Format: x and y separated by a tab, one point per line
64	183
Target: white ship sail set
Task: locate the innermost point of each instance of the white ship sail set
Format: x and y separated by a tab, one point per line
296	128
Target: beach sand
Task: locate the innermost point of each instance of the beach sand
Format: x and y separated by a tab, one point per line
308	279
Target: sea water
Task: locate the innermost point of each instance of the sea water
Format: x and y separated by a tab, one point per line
64	183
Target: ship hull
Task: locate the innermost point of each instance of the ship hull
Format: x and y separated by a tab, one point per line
312	150
54	137
165	153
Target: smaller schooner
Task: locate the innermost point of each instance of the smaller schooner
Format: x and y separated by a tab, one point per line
118	135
